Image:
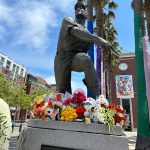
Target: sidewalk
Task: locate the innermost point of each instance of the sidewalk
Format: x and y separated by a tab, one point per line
132	139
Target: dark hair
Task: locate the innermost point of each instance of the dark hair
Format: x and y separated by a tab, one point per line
80	4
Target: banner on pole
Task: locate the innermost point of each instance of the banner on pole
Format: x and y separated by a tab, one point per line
147	69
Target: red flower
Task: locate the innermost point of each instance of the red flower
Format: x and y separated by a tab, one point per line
78	97
50	105
112	106
43	118
42	104
119	110
80	111
37	111
67	101
103	105
118	119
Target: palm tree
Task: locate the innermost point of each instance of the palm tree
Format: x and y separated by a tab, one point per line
103	23
106	30
143	133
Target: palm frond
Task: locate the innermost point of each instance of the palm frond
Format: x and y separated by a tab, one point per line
112	5
111	14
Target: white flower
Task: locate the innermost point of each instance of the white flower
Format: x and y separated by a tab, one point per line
89	103
99	114
102	100
99	117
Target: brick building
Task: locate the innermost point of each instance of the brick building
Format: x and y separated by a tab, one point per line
12	69
33	82
123	86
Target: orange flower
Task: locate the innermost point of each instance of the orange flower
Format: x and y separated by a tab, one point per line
37	111
43	118
50	105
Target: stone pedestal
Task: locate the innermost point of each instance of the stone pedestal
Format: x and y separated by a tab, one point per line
58	135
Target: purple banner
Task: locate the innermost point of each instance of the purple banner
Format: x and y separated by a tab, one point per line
99	66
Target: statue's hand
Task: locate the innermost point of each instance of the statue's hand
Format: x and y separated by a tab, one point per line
107	45
102	42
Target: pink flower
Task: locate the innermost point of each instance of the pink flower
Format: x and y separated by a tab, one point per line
54	113
58	103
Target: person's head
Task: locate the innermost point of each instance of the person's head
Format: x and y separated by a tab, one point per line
80	10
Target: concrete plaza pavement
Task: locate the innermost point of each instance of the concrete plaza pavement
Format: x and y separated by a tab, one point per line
131	139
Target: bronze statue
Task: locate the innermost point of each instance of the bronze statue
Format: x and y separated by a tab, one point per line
73	44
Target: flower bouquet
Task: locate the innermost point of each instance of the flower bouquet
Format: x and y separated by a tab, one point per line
67	107
46	107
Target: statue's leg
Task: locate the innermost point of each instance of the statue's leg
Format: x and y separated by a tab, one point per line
62	75
82	63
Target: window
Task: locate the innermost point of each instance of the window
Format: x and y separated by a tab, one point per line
8	64
14	67
2	59
6	73
13	70
17	70
1	66
22	71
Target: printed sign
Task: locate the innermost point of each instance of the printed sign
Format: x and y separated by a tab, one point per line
124	86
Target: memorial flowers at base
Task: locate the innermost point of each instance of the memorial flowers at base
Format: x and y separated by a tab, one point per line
77	107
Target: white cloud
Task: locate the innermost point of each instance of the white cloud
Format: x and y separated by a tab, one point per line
35	19
28	25
78	85
50	80
30	21
5	13
75	84
66	6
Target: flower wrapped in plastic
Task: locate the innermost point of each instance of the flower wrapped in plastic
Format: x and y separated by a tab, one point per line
78	97
46	106
101	100
77	107
120	116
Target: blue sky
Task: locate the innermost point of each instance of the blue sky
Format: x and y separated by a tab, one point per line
29	31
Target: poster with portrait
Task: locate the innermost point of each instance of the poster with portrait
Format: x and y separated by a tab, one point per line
124	86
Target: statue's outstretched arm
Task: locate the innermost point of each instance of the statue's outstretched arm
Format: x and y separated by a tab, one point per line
70	26
87	36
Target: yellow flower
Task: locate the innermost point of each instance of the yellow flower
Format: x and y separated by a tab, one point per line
39	99
62	118
68	114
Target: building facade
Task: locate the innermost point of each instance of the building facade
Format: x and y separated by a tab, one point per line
123	87
32	82
12	69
